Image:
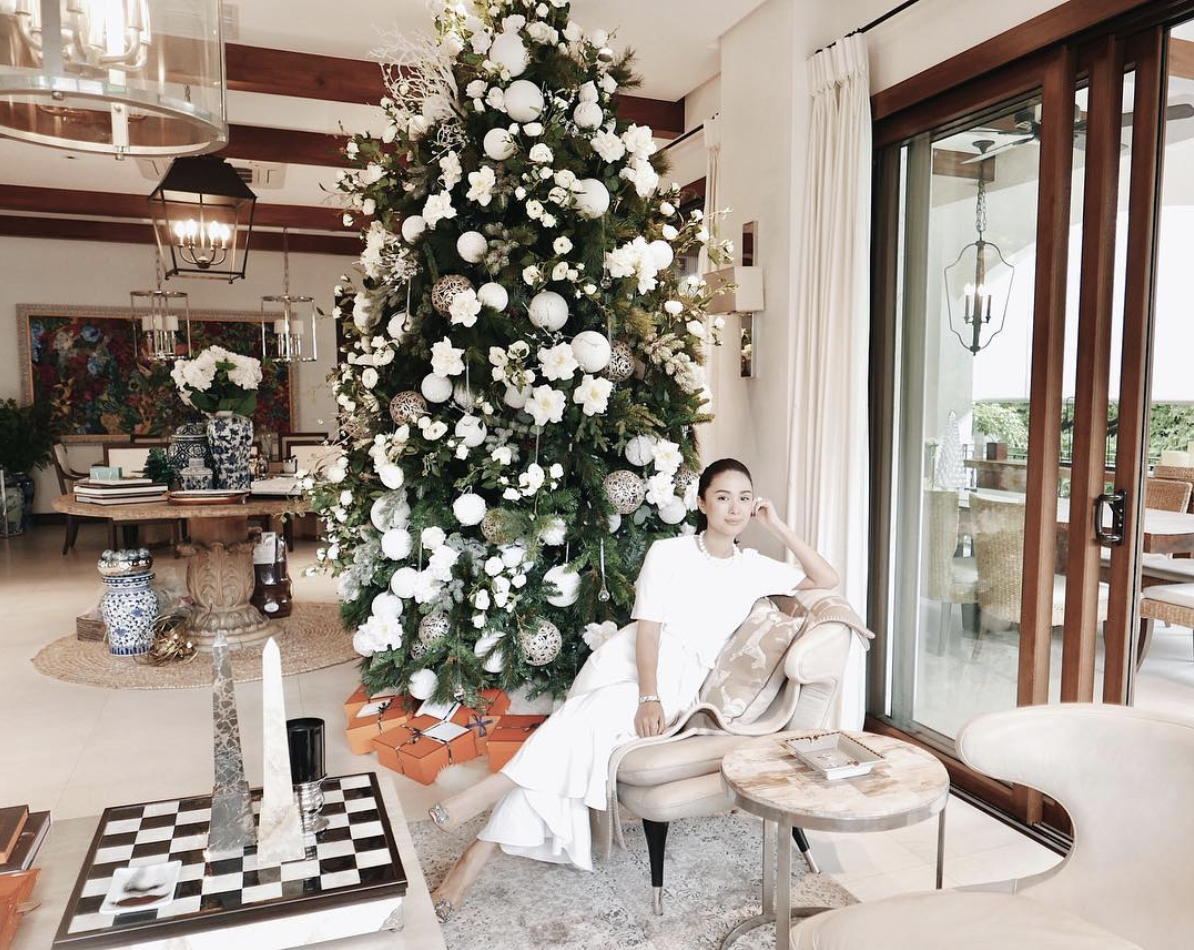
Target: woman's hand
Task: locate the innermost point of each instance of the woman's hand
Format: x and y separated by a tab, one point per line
764	512
648	721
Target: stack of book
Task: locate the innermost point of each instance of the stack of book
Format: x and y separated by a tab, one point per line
119	491
21	837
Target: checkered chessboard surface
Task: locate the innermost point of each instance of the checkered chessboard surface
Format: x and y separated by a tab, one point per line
354	858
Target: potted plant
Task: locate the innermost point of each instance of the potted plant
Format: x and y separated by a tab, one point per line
224	386
27	436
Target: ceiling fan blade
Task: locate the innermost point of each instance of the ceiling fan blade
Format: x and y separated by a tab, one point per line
1178	111
999	149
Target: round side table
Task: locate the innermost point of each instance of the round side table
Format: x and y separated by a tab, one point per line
765	778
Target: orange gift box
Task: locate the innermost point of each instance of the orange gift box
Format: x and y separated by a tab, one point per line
505	741
410	751
365	728
360	699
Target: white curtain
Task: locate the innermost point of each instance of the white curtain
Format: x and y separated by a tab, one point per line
707	444
828	464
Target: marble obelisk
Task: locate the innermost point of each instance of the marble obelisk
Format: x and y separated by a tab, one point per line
279	828
231	827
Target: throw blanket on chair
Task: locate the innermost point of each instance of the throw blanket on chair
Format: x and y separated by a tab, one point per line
816	607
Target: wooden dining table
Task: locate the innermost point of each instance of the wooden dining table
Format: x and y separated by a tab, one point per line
220	577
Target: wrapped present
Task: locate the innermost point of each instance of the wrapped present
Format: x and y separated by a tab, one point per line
422	747
375	719
479	724
507	738
496	702
360	699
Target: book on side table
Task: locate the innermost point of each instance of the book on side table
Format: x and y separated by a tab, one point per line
12	821
28	843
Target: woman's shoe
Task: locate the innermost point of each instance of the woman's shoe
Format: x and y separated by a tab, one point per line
439	815
444	909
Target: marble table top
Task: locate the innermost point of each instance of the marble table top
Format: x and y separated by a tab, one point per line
155	510
766	779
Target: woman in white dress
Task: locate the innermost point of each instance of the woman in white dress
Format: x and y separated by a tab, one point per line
691	595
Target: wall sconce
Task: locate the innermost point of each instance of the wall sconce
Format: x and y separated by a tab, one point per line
745	298
202	219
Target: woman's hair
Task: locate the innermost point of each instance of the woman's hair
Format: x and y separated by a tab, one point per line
712	470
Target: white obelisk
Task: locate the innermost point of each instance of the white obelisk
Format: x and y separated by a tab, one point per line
279	829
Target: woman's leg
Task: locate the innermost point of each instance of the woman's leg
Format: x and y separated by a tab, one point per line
457	881
452	812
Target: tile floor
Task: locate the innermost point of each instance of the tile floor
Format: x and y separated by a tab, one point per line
76	749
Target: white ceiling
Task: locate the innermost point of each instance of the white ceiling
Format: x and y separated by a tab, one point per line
676	40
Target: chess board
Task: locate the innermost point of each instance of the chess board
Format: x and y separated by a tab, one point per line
354	859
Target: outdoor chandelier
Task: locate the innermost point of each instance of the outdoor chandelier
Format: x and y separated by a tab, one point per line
970	279
289	321
202	218
156	316
124	77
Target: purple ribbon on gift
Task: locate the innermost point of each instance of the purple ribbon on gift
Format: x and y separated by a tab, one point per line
480	724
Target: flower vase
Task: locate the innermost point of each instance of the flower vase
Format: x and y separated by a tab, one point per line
129	608
229	439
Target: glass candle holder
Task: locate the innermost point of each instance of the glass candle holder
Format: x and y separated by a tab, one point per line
305	739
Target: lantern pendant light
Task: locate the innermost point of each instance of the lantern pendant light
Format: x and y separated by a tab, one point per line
289	319
156	316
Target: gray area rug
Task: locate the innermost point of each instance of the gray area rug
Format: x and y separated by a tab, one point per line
712	882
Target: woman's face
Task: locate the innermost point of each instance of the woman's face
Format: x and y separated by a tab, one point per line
728	503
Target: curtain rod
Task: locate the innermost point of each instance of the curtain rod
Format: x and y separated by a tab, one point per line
875	22
687	135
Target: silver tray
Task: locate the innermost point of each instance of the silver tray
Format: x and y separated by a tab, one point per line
834	755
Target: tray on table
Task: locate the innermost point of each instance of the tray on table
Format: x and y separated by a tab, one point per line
355	859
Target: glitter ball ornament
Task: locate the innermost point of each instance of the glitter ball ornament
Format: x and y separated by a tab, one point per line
541	643
445	290
469	509
621	362
684	478
423	684
432	628
499	527
625	491
407	407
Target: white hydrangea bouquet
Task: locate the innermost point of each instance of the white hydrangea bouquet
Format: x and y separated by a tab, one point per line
219	381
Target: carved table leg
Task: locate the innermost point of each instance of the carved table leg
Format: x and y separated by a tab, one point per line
220	580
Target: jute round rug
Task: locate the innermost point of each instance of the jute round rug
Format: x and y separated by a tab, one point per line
311	638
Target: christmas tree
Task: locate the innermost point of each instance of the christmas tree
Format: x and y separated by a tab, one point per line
521	377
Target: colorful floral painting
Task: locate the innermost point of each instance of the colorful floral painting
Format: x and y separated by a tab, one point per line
89	367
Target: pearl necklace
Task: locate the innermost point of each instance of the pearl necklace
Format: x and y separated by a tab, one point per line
700	540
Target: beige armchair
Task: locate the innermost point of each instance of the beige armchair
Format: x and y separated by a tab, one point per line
678	775
1122	775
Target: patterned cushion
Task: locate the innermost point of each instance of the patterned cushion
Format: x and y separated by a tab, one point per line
749	671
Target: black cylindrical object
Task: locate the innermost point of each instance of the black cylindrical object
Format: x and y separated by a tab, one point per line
306	741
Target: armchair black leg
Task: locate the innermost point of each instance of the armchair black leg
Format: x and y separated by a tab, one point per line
656	832
802	844
72	533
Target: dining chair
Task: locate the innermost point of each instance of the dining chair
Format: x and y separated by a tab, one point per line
998	530
1167	494
1179	473
950	579
132	459
1169	603
67	479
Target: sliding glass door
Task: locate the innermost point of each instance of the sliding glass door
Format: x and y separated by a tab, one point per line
1014	239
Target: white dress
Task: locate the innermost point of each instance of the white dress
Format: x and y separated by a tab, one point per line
561	769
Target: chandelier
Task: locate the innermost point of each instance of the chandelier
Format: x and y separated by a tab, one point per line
287	316
156	317
976	293
124	77
202	219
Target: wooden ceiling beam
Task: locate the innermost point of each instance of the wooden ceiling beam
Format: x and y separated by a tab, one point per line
285	146
279	72
107	205
76	229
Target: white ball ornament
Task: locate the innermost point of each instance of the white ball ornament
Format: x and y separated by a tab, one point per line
391	475
661	254
592	198
486	643
413	228
396	544
471	431
588	115
469	509
493	296
640	450
471	246
498	145
403	582
509	51
524	101
673	511
516	398
386	605
436	388
615	522
548	310
566	582
496	661
463	396
423	684
389	511
592	350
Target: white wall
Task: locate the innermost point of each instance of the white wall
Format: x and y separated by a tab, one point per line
79	273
